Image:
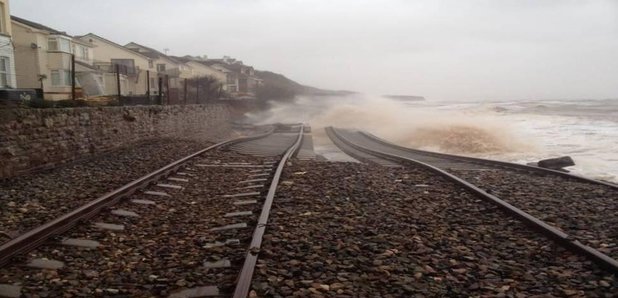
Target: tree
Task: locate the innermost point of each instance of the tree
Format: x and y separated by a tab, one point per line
204	88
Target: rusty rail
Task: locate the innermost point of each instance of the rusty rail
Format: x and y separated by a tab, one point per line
489	162
246	274
35	237
549	231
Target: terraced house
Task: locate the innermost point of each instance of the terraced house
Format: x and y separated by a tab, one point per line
137	71
43	59
168	69
196	68
241	80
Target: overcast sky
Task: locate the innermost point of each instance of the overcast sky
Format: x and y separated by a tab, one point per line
499	50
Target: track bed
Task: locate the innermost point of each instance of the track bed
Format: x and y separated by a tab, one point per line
372	231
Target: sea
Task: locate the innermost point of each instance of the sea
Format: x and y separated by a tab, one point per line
520	131
584	129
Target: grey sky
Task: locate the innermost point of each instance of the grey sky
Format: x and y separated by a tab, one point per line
439	49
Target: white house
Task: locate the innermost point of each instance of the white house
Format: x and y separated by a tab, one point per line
43	60
137	71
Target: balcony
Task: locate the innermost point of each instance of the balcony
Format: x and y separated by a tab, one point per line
174	72
109	67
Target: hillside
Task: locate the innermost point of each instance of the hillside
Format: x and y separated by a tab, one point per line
278	86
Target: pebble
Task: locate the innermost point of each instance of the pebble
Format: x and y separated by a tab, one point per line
158	254
358	234
42	196
580	209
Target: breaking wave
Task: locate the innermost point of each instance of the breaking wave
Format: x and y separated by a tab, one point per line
408	124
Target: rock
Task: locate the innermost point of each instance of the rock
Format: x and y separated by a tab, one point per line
7	290
336	286
604	283
556	163
294	262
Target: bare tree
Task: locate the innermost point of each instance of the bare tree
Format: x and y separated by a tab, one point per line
204	88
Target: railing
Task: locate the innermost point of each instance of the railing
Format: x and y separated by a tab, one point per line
122	69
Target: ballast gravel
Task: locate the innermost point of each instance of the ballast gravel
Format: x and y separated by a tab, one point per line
354	230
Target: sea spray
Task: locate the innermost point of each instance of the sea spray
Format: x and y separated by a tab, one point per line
400	122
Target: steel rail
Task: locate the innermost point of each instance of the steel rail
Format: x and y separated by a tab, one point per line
488	162
35	237
246	274
549	231
355	155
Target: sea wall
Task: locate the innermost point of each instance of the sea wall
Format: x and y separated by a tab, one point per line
33	139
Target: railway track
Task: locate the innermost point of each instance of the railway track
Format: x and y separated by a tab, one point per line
192	228
407	232
576	223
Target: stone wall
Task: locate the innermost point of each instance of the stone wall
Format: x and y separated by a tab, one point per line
42	138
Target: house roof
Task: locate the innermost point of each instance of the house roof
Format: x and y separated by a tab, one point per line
112	43
220	65
48	29
181	59
38	26
214	61
235	66
150	52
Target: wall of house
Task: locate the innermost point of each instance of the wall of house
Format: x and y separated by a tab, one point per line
27	59
43	138
105	51
201	69
56	60
38	61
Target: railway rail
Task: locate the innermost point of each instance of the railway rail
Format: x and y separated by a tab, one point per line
372	149
136	211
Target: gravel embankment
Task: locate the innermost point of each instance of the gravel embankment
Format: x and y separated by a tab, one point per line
30	200
586	211
354	230
162	251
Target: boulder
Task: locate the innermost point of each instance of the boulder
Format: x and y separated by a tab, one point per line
556	163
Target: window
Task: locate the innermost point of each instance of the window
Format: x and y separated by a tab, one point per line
4	71
52	44
59	44
127	66
152	83
150	64
231	79
65	45
160	67
55	77
61	77
82	52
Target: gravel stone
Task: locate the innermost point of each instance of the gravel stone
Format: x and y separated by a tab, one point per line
160	253
369	231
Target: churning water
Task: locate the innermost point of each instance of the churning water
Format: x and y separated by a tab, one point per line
517	131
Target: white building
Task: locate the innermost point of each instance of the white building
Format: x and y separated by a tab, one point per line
43	60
